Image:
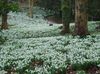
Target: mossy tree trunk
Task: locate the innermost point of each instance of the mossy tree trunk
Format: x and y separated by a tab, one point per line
81	17
4	15
66	16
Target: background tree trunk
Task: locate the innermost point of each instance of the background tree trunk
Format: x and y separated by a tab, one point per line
81	17
31	8
66	16
20	4
4	24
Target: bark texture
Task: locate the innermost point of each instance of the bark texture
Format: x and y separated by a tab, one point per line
81	17
4	24
66	16
31	8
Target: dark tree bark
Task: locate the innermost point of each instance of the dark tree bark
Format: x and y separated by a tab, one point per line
66	16
81	17
4	24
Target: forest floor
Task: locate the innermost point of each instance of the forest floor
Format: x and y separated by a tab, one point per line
32	46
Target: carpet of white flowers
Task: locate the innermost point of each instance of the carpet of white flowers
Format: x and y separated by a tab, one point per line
32	40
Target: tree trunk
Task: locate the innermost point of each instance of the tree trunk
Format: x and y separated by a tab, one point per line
4	24
66	16
20	4
31	8
81	17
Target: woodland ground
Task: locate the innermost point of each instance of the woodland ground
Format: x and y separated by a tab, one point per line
32	46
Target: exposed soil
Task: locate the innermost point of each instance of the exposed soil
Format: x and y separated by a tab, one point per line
53	19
